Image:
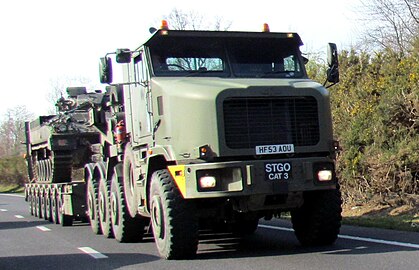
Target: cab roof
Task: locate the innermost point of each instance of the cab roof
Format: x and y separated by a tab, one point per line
164	34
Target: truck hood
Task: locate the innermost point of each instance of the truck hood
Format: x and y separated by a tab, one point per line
216	84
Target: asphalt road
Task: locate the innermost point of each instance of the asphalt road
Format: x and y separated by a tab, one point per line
27	242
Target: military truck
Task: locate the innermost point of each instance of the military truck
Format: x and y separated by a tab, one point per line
212	129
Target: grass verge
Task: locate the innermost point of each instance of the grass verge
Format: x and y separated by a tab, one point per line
10	188
401	223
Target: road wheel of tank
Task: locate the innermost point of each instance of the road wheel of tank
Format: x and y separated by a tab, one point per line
125	228
41	170
173	219
104	208
130	183
317	222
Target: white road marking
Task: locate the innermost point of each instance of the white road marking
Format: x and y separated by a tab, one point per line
363	239
43	228
13	195
19	216
95	254
3	210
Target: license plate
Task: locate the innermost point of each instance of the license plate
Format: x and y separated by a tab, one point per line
274	149
278	171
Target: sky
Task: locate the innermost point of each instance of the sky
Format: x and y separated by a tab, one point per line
46	41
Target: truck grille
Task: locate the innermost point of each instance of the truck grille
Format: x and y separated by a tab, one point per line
249	122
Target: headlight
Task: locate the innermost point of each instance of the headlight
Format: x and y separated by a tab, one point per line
207	182
324	172
325	175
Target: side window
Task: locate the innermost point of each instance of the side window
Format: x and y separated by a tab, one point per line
139	70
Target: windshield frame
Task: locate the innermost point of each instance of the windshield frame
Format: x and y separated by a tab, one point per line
225	48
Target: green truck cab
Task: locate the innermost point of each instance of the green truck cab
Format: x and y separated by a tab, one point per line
221	129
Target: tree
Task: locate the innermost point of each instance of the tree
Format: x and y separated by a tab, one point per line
391	24
12	131
192	20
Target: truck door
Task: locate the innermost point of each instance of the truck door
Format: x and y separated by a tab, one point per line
140	100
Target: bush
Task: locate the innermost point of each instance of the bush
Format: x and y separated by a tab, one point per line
13	171
376	119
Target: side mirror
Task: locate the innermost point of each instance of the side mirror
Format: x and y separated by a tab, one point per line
105	70
123	56
332	61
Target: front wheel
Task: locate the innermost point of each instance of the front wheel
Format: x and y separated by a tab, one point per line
174	222
317	222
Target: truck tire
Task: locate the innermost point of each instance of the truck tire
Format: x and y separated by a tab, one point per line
317	222
126	229
175	225
104	208
93	206
130	183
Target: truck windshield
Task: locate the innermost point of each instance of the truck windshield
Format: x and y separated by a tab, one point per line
227	57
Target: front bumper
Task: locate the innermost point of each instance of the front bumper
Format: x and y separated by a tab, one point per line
254	177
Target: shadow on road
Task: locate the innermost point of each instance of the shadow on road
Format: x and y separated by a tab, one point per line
263	244
73	261
9	225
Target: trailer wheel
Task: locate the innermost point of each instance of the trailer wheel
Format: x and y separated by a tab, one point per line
54	209
39	205
175	225
318	221
126	229
130	183
92	206
31	199
47	207
104	208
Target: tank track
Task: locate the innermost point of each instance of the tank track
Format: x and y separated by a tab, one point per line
56	169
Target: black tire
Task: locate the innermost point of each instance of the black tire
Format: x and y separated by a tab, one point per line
39	206
318	221
104	208
173	219
35	205
93	206
31	199
47	215
130	183
126	229
54	209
